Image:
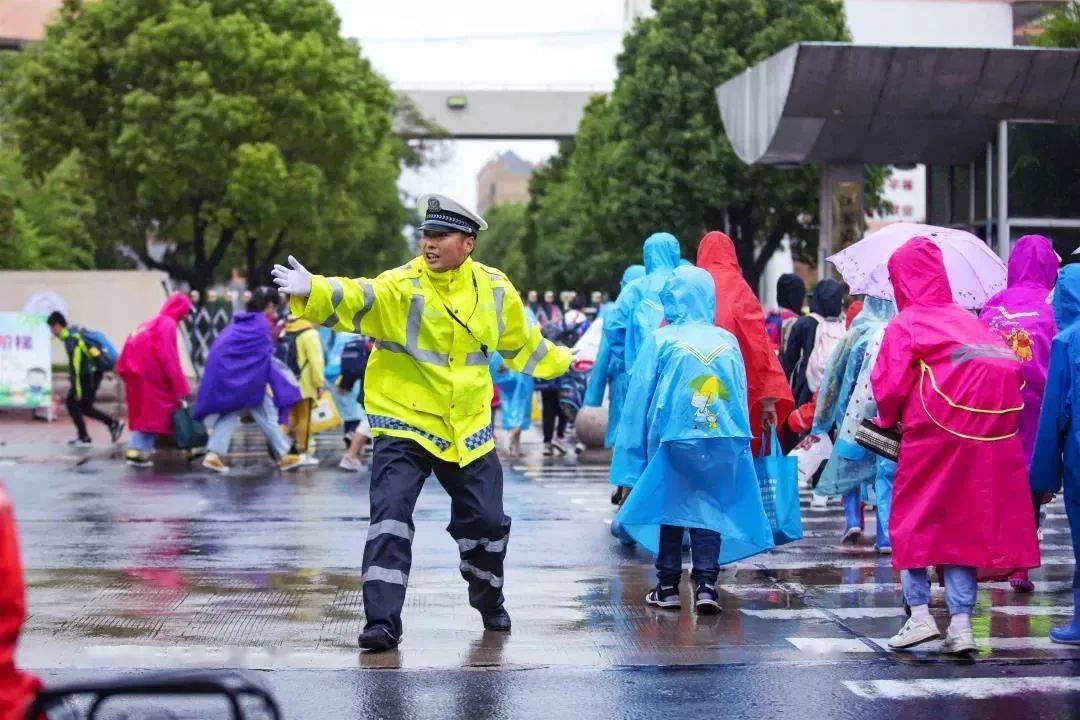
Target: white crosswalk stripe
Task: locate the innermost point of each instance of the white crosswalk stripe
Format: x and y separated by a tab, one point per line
982	688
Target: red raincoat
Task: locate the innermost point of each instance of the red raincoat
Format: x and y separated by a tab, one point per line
17	688
739	312
961	495
150	367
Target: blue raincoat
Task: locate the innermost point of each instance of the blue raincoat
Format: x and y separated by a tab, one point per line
1055	463
684	439
609	367
517	394
348	403
638	311
846	400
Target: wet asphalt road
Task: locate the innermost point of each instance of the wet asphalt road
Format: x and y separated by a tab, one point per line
131	570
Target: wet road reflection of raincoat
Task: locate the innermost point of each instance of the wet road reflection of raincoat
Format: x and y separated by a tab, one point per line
638	311
684	440
1022	316
610	368
1056	460
959	496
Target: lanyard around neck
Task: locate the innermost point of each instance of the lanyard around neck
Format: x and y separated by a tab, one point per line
464	323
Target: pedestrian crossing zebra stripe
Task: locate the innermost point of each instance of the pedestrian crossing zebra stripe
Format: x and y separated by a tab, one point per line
822	646
866	613
983	688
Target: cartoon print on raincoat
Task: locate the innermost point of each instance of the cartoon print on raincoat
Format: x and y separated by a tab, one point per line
1022	316
684	441
1055	463
610	368
960	495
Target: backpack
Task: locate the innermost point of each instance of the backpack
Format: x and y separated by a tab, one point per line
286	350
354	359
105	357
830	331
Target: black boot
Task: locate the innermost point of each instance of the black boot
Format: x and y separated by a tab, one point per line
377	638
497	621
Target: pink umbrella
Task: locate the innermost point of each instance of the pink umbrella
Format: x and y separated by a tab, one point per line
975	272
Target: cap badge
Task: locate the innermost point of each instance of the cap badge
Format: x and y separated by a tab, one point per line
433	205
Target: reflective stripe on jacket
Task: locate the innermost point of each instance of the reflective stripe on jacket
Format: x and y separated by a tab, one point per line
427	379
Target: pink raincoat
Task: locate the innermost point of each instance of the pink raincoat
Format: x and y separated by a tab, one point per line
1022	316
150	367
961	494
17	688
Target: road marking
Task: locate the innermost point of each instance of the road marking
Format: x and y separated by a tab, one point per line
822	646
970	688
1032	610
855	645
845	613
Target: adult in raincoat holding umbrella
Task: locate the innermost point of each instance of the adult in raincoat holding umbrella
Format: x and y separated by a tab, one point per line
685	441
1021	315
1055	462
960	500
739	312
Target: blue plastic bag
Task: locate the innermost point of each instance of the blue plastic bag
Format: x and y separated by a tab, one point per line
778	478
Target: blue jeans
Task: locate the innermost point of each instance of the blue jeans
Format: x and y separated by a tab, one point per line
704	551
960	588
142	441
265	416
853	508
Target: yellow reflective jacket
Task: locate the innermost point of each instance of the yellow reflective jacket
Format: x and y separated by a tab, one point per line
427	379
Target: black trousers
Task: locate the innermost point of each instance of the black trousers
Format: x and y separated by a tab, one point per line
477	523
77	407
552	414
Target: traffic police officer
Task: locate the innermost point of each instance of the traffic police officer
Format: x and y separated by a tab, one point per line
428	394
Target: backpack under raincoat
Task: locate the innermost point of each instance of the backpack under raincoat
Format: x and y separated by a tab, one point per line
684	439
610	366
960	495
1022	316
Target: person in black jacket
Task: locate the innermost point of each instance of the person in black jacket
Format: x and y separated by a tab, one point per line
826	302
85	379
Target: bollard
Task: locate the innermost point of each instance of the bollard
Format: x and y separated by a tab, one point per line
590	427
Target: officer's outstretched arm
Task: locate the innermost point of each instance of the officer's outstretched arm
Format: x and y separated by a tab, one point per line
523	347
344	304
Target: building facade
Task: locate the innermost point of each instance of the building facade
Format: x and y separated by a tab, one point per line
505	179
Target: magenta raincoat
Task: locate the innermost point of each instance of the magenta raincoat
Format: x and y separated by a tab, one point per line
1023	317
961	494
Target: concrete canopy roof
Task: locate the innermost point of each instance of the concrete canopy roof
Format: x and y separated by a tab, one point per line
821	103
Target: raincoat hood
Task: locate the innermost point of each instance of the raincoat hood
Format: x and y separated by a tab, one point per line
1033	263
790	292
917	272
631	274
717	252
689	296
661	252
877	310
177	306
828	298
1067	297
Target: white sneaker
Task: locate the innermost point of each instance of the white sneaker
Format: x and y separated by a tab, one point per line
818	501
307	460
348	462
959	642
852	535
915	632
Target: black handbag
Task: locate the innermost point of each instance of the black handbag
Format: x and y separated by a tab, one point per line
878	440
188	432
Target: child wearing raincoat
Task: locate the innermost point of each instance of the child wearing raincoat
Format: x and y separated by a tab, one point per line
846	399
515	404
684	446
1055	462
960	500
1021	315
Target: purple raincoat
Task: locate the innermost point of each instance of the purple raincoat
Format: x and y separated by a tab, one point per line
240	366
1021	315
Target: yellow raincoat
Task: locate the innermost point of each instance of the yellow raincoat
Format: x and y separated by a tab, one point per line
427	379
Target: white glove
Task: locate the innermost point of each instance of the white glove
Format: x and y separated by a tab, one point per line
295	280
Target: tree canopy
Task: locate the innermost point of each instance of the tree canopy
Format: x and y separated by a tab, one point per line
233	130
500	245
653	155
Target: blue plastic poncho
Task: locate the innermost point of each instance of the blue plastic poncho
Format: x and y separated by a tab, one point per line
517	394
684	439
852	465
638	310
609	367
1055	463
348	403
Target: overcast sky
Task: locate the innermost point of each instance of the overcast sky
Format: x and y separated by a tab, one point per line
486	43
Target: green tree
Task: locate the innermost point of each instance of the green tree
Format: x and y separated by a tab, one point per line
233	129
500	245
653	155
43	224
